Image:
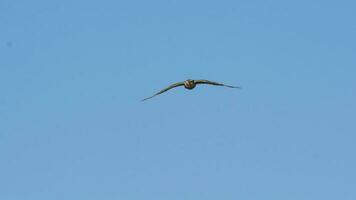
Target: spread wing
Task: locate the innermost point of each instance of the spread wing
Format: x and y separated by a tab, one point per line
165	90
213	83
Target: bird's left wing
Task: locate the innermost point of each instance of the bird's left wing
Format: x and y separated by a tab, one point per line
213	83
165	90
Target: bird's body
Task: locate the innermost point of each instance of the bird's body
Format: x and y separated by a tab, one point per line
189	84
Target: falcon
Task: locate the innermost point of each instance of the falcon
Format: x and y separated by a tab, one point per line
189	84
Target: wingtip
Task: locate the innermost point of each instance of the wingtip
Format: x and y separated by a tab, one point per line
230	86
146	99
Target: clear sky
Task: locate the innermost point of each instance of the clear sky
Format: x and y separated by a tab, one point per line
72	74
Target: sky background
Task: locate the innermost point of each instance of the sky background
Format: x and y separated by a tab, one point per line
72	74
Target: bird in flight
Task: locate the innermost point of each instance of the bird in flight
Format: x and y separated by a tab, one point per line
189	84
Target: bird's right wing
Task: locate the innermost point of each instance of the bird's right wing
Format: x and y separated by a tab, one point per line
214	83
165	90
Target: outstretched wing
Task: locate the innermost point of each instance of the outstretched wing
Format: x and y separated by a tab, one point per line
213	83
165	90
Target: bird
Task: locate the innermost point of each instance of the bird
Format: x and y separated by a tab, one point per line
189	84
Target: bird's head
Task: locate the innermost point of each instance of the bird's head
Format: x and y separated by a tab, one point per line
189	84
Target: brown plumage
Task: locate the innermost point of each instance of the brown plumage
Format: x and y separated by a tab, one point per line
189	84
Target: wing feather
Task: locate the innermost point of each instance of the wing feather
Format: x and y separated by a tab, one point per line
213	83
165	90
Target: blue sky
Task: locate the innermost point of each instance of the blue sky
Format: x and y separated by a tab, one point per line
72	74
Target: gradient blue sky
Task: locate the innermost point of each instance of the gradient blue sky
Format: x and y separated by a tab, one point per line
72	74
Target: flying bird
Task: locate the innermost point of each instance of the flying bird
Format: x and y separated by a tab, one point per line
189	84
